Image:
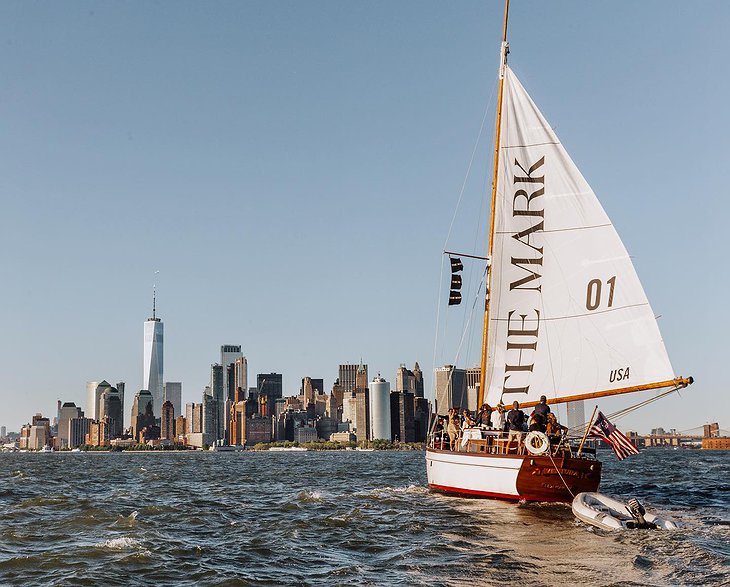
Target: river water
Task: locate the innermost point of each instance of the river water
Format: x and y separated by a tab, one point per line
341	518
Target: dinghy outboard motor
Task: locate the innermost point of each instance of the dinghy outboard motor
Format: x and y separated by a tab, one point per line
637	511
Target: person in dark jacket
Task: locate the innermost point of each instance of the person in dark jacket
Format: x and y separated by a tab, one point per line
515	422
537	423
484	417
542	408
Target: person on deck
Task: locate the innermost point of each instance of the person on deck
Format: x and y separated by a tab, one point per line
484	417
537	423
439	433
542	408
499	418
467	422
453	428
515	421
554	429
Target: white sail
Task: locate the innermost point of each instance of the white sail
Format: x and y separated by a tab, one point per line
568	314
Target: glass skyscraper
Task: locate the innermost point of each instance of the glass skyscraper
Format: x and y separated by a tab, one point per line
153	382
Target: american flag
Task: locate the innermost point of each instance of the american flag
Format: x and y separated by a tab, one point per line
606	431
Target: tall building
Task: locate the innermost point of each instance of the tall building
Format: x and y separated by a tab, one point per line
379	409
402	416
361	421
348	376
361	377
172	392
230	353
94	390
111	409
338	395
167	421
241	377
405	380
311	387
78	428
39	434
473	376
418	377
180	427
91	400
99	433
67	412
194	418
237	416
270	385
421	417
451	389
120	389
153	357
576	416
142	412
218	395
212	427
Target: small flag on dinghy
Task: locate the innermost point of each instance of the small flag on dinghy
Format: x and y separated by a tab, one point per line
607	432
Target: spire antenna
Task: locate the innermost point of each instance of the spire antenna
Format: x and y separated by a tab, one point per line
154	298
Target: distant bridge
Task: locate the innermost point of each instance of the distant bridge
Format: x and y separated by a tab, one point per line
690	437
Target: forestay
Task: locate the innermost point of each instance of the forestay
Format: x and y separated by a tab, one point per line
568	314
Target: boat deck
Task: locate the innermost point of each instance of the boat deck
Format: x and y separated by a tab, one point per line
485	441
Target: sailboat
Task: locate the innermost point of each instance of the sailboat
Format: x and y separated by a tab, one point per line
565	315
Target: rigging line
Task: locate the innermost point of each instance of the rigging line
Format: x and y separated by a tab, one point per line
621	413
528	145
584	315
466	328
549	246
471	162
471	272
569	229
438	317
550	454
453	219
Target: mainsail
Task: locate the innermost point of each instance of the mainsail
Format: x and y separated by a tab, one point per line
567	313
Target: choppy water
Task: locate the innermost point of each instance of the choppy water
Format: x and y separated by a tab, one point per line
340	518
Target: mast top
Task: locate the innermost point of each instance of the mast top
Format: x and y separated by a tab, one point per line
504	48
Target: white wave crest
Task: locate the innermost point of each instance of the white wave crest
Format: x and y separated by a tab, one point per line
123	543
309	495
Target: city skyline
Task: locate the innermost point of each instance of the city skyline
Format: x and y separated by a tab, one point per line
291	171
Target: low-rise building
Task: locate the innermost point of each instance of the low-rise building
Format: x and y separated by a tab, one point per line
257	429
305	434
78	428
716	443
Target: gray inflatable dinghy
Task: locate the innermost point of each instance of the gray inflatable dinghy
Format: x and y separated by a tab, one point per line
610	514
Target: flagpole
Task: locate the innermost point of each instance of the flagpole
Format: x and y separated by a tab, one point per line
590	423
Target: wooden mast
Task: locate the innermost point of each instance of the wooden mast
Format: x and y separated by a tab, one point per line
498	129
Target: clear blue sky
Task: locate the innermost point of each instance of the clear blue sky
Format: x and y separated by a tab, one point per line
291	168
